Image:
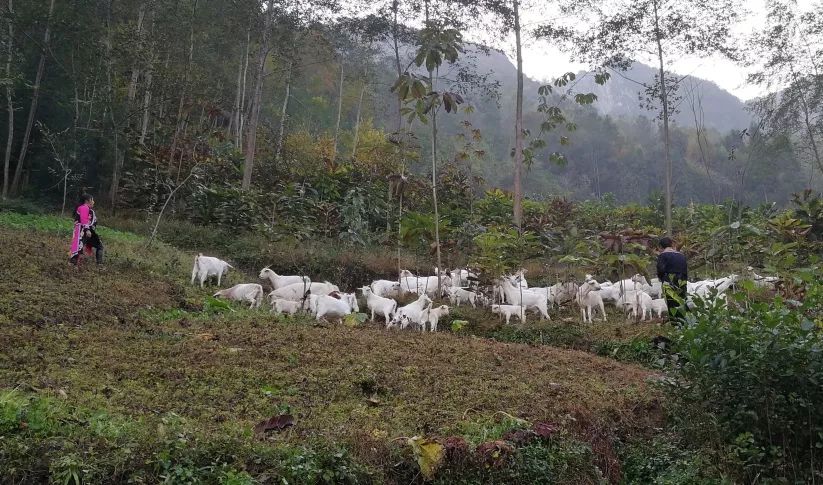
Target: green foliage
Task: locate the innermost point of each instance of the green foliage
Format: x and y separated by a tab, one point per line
44	438
750	378
663	460
500	250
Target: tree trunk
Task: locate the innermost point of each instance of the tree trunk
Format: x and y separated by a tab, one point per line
339	113
146	104
434	170
254	115
41	67
665	101
395	33
132	92
234	123
280	135
144	125
357	121
135	72
434	186
9	102
518	125
174	139
700	130
241	114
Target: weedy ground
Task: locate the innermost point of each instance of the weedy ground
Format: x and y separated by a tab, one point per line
133	340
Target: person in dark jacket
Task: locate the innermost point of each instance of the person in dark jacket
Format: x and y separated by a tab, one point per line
673	271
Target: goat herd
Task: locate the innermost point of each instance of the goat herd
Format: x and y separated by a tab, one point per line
292	294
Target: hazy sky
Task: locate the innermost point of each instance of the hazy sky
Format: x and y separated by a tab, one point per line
541	61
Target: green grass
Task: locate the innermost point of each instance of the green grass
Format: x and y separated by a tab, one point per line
123	371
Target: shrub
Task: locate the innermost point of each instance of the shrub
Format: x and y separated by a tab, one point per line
750	381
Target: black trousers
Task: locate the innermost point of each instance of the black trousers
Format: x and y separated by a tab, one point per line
95	242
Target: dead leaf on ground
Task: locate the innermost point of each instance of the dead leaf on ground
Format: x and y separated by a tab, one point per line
275	423
429	454
494	453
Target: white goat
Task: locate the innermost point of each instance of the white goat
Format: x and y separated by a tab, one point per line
588	297
386	288
660	307
562	292
288	307
423	284
704	289
411	313
635	300
376	303
768	282
459	295
636	282
279	281
325	306
433	315
206	266
508	310
609	293
526	298
248	292
297	291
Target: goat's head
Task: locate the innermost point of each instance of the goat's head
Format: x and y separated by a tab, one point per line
266	272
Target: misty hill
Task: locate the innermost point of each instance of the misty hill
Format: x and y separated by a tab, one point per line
620	97
617	146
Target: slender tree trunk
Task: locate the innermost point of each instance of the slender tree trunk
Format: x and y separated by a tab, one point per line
9	102
434	170
135	72
357	121
254	115
434	186
146	105
147	94
178	123
279	147
339	113
241	114
665	101
395	34
518	124
700	129
132	92
234	123
41	67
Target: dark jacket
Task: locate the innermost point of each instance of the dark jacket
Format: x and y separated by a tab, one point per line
672	268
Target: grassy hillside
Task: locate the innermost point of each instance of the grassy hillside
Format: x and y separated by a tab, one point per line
127	371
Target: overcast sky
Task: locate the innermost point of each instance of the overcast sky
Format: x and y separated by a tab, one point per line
543	62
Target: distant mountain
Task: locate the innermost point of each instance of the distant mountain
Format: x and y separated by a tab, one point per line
620	98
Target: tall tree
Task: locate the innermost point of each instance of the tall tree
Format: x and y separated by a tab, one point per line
35	96
518	122
9	96
438	44
627	30
257	99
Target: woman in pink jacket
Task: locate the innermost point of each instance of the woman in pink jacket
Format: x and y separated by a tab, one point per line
85	235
